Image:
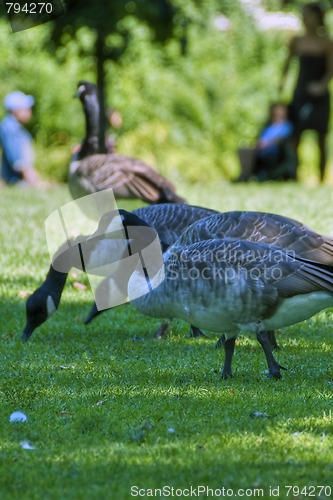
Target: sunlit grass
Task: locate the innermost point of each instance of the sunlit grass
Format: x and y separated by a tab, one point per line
109	407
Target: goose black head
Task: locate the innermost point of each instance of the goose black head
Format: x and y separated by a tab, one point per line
39	307
117	219
85	89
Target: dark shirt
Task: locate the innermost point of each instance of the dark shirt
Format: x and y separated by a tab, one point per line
312	68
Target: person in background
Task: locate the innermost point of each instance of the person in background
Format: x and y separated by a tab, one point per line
310	106
273	160
17	146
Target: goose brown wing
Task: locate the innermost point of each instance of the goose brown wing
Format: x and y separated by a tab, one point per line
128	177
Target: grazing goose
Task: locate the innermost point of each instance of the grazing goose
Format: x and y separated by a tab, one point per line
257	227
169	220
128	177
262	227
81	254
228	286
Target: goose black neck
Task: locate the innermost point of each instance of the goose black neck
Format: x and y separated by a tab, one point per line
55	282
90	144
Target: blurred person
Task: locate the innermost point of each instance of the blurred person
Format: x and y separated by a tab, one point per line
273	157
310	106
18	156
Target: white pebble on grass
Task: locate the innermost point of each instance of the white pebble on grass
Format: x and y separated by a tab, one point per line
18	416
27	446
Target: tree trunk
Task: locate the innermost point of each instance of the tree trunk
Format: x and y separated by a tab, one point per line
100	55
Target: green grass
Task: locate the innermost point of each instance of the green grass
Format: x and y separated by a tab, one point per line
102	401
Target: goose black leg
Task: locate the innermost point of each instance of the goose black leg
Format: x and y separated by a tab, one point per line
162	331
229	347
273	365
220	342
272	340
196	333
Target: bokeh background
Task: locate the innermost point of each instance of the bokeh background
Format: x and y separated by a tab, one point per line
191	79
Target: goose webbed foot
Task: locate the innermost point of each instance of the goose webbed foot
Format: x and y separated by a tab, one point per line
226	374
196	333
162	331
273	365
275	374
272	340
229	347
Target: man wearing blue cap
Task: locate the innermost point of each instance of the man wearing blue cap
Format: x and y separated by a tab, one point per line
17	147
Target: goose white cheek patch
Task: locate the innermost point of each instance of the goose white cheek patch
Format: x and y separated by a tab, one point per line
88	234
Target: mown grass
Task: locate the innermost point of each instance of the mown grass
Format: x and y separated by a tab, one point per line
109	407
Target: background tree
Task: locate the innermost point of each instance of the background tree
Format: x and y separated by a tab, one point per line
107	18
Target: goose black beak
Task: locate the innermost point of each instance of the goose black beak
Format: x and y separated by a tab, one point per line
27	332
92	314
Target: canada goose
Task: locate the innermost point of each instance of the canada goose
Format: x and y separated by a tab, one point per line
129	177
262	227
228	286
168	219
259	227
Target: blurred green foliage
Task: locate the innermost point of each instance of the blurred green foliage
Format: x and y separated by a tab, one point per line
185	115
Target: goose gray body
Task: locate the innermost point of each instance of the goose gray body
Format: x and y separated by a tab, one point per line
260	227
263	227
171	219
92	171
229	286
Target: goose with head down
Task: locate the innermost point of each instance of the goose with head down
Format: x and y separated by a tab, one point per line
90	171
169	220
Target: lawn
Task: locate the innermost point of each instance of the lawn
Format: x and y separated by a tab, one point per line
109	408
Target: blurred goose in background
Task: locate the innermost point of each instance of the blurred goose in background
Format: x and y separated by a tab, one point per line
169	220
129	177
228	286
